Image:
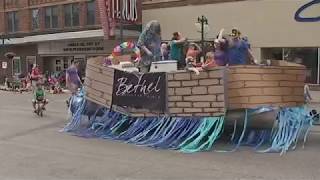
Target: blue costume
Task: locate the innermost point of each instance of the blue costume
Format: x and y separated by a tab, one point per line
238	52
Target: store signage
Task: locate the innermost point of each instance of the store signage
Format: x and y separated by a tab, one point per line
83	47
306	7
73	47
4	65
140	91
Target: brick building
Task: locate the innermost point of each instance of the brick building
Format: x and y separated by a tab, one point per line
51	33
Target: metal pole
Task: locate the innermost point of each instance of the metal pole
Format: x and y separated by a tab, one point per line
121	25
202	34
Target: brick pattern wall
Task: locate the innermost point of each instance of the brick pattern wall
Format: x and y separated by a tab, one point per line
99	82
207	94
191	95
253	86
188	94
23	7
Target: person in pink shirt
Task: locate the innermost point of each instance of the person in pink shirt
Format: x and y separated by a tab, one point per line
35	75
191	57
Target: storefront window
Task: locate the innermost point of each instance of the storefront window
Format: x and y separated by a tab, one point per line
305	56
16	65
91	10
51	17
13	21
272	53
71	15
35	19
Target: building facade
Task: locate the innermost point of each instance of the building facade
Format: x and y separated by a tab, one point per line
51	33
278	29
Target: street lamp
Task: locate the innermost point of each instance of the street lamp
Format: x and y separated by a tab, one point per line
204	28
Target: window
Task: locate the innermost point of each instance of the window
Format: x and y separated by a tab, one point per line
272	53
305	56
13	21
91	13
58	65
35	19
16	65
71	15
51	17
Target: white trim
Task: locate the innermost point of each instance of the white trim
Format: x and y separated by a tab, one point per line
66	36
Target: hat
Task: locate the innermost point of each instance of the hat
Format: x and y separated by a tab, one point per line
235	32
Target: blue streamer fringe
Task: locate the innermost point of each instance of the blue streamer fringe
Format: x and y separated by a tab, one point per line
187	134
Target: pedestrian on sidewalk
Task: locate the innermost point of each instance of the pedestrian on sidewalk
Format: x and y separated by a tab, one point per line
35	76
307	95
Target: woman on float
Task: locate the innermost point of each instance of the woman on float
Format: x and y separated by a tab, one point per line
220	48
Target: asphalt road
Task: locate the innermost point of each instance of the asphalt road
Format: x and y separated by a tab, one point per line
33	148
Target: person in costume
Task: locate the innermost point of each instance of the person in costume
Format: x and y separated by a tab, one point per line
239	51
220	50
150	45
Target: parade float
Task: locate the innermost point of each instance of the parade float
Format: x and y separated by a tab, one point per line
257	105
261	106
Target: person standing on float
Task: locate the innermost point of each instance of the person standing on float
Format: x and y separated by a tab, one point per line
239	52
150	45
176	49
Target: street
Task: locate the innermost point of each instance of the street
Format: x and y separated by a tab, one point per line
33	148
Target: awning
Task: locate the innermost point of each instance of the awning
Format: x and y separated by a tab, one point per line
67	36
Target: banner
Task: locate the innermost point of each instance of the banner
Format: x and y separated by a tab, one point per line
140	91
128	12
105	18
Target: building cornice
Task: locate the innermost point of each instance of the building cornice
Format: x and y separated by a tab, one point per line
157	4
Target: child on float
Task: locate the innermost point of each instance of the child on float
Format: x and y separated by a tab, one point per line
210	62
191	58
